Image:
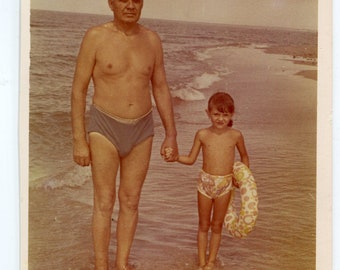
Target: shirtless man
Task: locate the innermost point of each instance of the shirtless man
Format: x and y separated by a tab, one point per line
122	58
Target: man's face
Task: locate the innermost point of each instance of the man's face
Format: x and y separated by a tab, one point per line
127	11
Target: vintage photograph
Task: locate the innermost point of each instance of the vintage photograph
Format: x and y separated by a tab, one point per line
140	113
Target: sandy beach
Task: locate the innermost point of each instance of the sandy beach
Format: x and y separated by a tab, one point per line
54	234
303	55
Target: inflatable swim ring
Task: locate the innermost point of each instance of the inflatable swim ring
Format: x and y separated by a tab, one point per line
240	225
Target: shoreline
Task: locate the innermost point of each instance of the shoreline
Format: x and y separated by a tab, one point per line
304	51
308	74
301	55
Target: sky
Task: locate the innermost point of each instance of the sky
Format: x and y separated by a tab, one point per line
300	14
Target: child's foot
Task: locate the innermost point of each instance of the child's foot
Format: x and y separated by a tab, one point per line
209	266
200	268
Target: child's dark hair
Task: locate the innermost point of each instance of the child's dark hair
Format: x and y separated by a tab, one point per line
223	102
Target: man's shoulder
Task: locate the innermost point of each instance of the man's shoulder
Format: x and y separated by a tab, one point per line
99	28
96	33
146	29
150	33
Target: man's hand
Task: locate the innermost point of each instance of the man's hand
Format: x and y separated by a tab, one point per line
169	149
81	153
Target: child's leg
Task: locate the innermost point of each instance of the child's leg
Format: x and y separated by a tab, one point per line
204	213
219	212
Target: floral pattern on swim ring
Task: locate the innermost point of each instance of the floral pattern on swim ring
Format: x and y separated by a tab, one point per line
240	225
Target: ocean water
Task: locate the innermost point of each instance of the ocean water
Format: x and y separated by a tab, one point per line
275	109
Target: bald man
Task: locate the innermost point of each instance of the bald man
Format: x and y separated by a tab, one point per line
123	59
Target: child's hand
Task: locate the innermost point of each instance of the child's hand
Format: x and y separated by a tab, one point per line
168	155
235	183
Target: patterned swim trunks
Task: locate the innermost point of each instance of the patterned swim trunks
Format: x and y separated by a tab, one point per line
214	186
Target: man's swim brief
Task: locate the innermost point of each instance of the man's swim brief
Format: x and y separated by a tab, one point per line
124	134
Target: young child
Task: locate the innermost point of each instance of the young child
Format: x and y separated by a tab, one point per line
216	177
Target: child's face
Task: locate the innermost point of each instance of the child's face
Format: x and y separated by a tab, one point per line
219	119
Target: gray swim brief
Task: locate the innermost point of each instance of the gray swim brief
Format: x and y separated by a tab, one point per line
124	134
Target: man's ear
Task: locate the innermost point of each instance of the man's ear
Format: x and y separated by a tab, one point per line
110	2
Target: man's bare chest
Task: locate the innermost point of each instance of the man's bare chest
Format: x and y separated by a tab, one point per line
116	60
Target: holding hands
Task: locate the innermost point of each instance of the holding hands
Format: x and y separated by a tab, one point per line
169	150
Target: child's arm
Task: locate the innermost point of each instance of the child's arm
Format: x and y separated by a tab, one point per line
241	147
191	158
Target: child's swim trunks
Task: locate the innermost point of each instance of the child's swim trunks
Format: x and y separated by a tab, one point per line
124	134
214	186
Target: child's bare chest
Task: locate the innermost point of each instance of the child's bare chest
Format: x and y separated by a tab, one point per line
221	144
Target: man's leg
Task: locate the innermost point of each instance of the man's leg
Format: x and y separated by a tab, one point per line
133	171
104	165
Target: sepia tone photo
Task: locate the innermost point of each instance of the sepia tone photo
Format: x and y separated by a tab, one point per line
264	54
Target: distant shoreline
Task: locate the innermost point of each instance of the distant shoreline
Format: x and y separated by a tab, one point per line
305	55
301	55
309	74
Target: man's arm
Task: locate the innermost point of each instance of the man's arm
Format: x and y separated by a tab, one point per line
163	100
82	77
